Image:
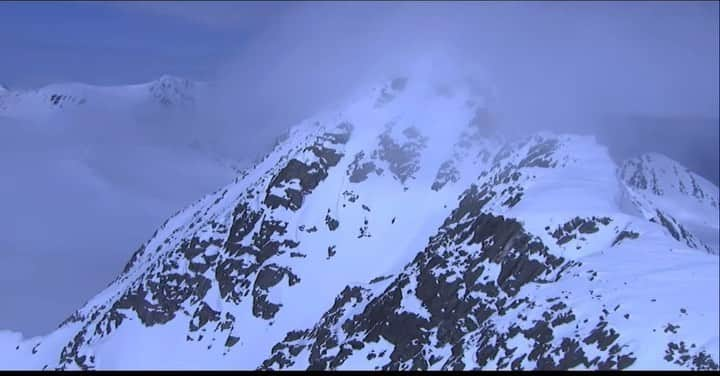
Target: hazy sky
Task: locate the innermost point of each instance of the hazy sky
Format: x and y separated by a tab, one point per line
659	54
567	66
106	43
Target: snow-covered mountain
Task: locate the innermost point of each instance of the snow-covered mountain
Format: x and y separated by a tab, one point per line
404	231
52	100
683	202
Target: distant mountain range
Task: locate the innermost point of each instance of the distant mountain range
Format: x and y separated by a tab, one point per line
167	91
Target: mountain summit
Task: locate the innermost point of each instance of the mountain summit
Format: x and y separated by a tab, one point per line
406	232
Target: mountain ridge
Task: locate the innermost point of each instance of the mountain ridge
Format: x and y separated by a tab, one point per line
404	232
45	102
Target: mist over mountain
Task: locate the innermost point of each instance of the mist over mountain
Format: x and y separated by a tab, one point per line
410	185
370	237
89	171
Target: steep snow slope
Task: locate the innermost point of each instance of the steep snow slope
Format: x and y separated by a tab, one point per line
403	232
686	204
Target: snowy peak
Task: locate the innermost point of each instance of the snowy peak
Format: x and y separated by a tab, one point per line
659	175
173	91
676	198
